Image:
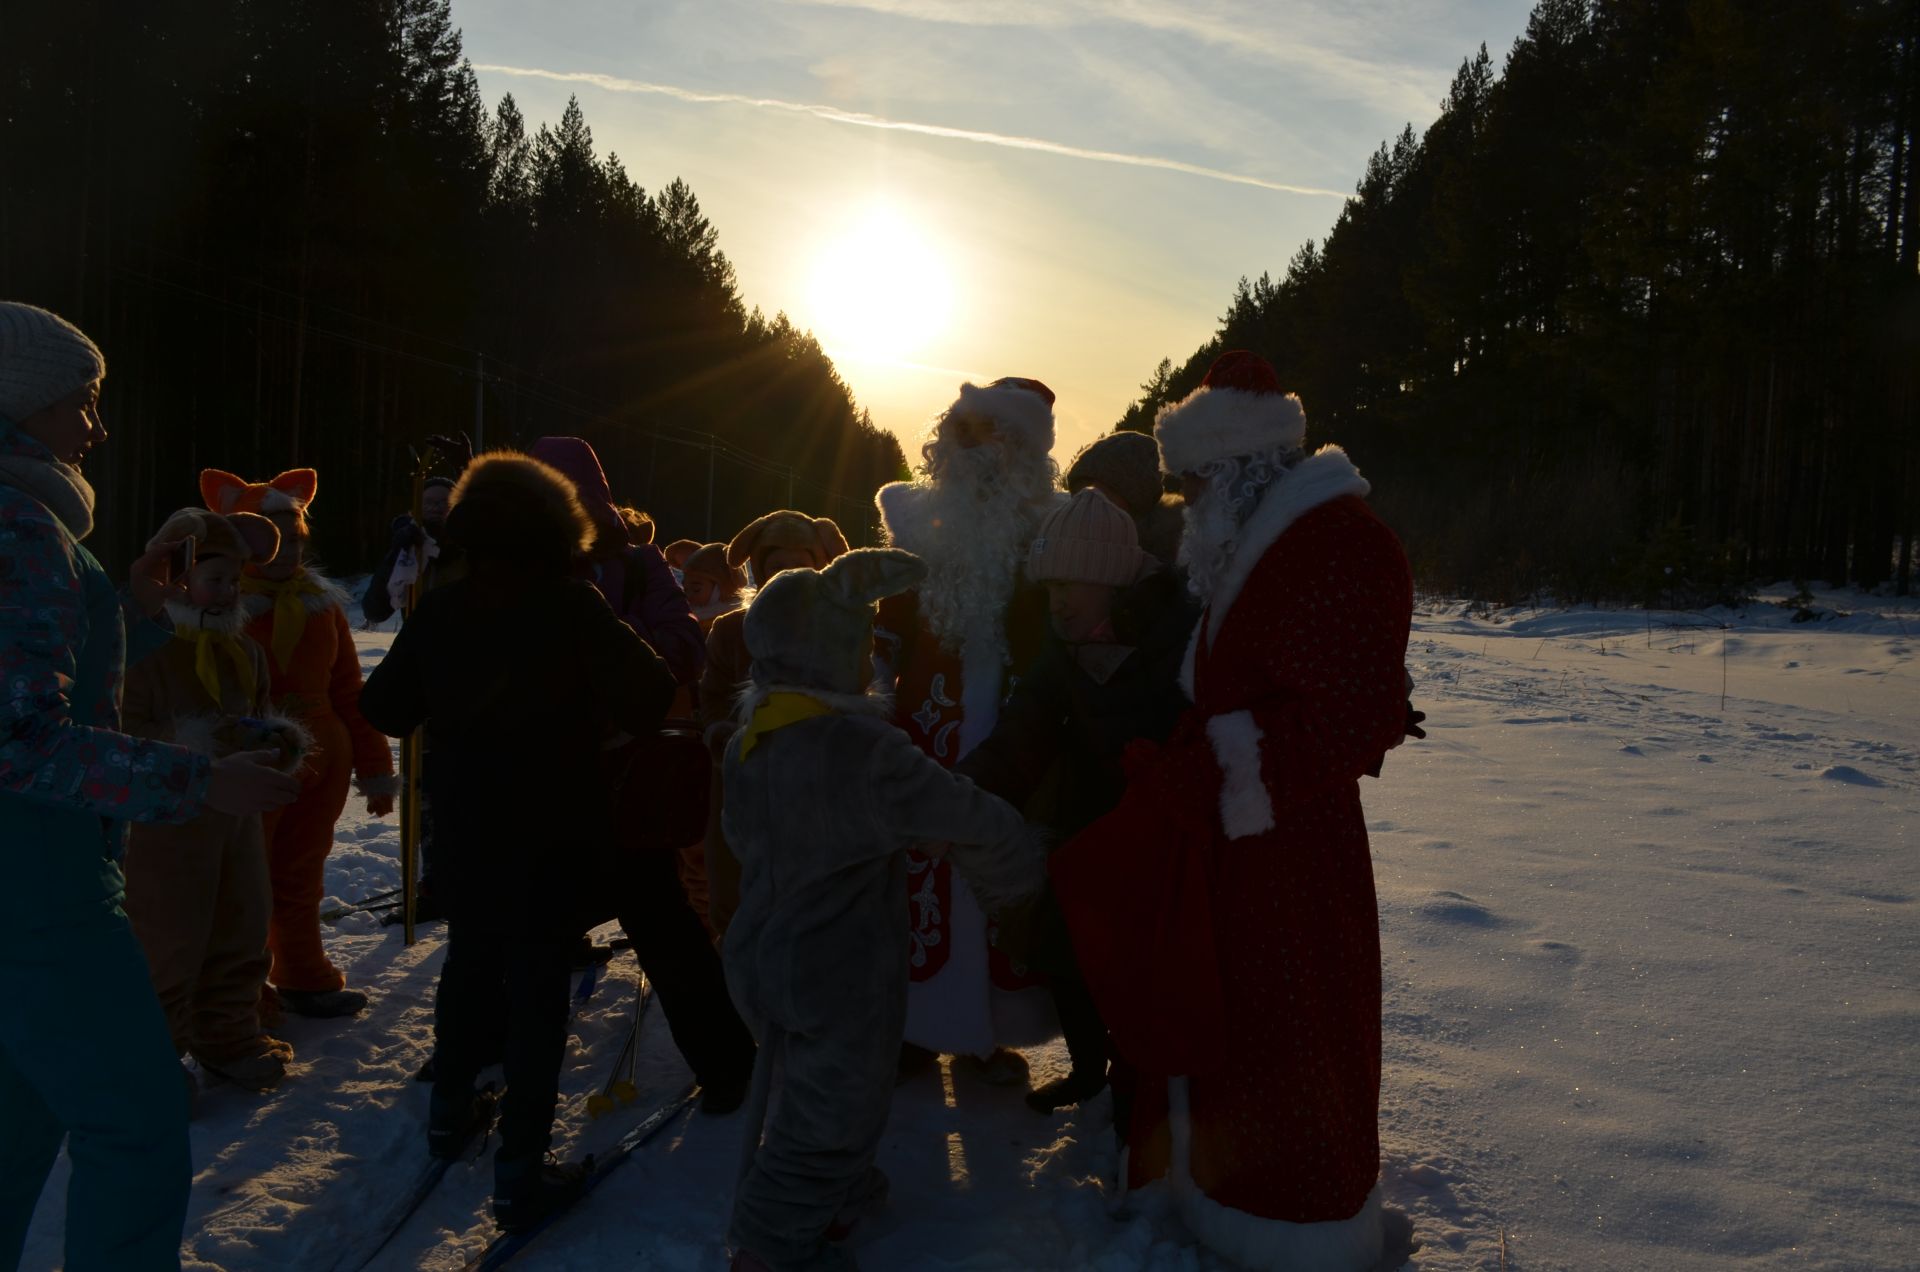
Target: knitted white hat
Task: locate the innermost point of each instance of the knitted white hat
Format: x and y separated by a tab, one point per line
43	357
1088	539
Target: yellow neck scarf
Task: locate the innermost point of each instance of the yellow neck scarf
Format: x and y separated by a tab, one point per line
206	665
289	610
777	712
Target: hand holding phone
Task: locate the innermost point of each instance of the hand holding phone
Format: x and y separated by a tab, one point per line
181	562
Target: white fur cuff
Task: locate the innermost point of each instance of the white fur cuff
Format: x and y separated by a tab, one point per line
387	784
1245	808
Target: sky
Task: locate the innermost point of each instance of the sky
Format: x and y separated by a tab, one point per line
944	190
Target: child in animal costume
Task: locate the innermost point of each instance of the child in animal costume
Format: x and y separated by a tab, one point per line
197	894
713	585
300	618
824	797
778	541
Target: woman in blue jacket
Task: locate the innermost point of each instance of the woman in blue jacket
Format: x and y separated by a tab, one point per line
84	1050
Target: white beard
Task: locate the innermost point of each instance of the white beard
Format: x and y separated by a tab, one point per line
1207	547
982	508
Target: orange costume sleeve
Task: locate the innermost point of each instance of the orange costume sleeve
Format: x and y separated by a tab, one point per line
372	753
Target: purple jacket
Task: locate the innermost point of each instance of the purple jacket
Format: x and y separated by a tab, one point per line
633	577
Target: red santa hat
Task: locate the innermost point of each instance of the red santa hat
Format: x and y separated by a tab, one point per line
1237	410
1018	407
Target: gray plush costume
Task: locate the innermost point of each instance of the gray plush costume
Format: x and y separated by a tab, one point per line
820	813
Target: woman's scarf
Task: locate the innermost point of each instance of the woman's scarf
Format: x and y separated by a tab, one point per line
60	486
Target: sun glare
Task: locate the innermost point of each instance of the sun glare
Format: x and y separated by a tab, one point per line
880	290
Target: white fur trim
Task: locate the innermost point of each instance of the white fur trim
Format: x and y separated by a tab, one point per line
1245	808
1267	1245
1013	410
1326	476
330	596
1210	424
903	515
1191	657
952	1012
983	673
379	784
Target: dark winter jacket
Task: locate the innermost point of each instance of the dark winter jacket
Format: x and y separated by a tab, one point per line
1059	712
518	685
637	583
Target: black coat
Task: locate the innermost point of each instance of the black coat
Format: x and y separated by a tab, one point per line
1060	714
518	685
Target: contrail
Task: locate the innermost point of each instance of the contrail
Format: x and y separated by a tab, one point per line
833	114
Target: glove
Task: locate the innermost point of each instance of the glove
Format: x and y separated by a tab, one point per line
404	534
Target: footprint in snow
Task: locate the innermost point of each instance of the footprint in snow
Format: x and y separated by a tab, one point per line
1850	775
1454	907
1704	758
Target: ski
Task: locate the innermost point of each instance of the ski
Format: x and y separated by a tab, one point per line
429	1179
364	904
508	1244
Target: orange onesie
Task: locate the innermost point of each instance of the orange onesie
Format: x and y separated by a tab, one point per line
316	680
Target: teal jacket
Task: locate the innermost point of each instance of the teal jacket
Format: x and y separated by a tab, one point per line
69	779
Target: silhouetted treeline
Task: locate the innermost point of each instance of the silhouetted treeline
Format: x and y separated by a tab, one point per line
1638	316
302	238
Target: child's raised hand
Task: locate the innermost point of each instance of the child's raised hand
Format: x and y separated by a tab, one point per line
151	580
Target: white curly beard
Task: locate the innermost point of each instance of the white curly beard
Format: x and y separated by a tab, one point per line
983	507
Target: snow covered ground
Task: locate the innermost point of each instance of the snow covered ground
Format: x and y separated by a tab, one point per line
1647	904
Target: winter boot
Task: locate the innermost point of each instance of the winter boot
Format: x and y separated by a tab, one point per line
528	1189
259	1072
452	1123
1075	1088
323	1004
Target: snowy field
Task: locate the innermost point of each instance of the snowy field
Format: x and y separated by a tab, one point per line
1647	907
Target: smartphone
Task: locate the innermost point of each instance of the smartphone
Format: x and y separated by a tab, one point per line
183	557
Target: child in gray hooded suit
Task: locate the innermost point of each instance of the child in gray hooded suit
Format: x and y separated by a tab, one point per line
823	797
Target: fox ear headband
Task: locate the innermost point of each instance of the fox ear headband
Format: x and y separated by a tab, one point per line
292	491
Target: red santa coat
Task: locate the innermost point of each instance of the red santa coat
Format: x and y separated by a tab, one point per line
1224	914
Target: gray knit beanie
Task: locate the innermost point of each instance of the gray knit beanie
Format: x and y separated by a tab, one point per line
43	357
1126	466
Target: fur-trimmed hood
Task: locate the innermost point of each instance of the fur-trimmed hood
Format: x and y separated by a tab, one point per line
509	504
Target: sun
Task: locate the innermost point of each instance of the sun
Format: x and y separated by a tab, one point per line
881	290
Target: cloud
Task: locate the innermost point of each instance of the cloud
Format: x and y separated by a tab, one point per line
1306	44
833	114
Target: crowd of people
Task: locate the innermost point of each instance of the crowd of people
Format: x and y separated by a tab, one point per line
1073	756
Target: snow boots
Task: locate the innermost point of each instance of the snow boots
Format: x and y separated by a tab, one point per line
528	1189
323	1004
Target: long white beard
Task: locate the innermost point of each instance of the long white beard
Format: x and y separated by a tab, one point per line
982	512
1207	548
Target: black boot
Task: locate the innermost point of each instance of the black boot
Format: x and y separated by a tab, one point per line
323	1004
528	1189
452	1123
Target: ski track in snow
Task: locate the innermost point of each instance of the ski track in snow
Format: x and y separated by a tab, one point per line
1649	1002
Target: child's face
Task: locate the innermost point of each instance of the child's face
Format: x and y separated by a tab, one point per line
293	542
213	585
700	590
1079	609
